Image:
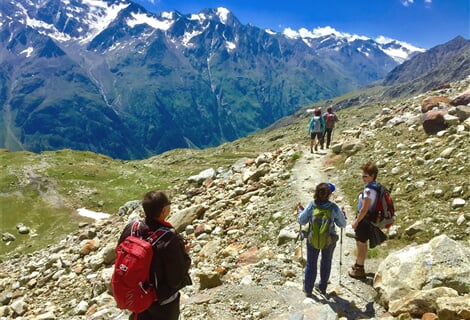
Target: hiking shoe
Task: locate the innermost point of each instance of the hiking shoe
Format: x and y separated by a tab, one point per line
309	295
357	272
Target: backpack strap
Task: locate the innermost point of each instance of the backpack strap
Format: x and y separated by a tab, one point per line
135	230
153	236
330	207
377	187
374	185
157	235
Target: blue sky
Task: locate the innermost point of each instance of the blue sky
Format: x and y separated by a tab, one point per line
422	23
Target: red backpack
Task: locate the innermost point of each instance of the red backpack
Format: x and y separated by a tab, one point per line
130	281
330	120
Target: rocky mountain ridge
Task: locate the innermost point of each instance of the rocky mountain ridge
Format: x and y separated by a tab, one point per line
246	262
440	65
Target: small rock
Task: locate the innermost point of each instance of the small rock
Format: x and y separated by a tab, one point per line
458	203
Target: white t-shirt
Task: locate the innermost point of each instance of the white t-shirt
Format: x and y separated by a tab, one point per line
367	193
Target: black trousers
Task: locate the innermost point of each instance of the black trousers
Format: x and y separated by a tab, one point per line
170	311
328	133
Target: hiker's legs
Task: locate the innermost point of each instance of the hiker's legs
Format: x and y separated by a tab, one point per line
312	141
362	236
325	265
357	270
328	133
317	139
310	268
361	248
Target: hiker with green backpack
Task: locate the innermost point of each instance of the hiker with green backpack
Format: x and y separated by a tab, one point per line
322	215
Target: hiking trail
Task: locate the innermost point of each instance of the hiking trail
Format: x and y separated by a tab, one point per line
350	298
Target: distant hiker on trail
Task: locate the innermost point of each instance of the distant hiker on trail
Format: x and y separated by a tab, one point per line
364	230
322	215
316	128
170	261
330	119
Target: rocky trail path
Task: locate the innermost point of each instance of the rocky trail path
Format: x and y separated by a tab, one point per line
348	297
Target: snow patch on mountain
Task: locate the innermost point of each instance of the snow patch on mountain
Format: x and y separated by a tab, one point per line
223	14
199	17
100	16
188	36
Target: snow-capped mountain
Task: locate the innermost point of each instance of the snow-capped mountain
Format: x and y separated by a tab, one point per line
100	75
82	21
331	39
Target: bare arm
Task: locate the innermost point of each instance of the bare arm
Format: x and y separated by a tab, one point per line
362	213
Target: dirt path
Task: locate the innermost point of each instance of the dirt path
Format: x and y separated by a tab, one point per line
353	298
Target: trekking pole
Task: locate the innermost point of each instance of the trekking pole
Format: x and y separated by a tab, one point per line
340	254
301	243
341	248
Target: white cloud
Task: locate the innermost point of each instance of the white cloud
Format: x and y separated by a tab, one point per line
383	40
321	32
427	3
406	3
291	33
140	18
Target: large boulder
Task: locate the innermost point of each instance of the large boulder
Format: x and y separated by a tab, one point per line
433	122
180	219
430	103
442	262
462	99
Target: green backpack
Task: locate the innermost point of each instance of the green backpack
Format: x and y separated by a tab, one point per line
320	236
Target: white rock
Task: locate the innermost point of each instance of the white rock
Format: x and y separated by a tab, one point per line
458	203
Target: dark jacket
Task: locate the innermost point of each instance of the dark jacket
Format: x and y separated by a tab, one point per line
170	261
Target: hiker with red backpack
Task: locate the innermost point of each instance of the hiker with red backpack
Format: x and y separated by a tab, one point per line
157	296
330	119
321	214
375	211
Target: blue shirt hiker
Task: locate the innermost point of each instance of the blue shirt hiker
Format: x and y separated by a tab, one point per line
305	216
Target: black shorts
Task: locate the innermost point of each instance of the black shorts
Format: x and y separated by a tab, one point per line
363	231
314	134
